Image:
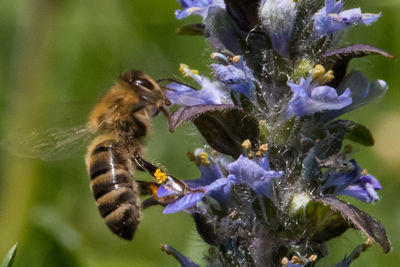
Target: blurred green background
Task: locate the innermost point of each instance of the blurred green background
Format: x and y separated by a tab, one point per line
59	56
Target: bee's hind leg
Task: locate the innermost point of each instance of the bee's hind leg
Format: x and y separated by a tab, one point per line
151	188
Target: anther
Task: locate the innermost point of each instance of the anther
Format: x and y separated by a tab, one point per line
236	59
200	159
302	261
295	259
219	56
203	158
285	261
186	71
261	150
247	146
320	75
317	71
312	258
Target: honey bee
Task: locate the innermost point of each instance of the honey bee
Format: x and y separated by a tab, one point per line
118	126
121	121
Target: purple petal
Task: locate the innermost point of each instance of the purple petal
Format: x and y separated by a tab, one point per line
371	180
362	92
308	99
184	95
278	17
216	185
363	189
249	172
369	18
329	19
237	77
185	202
245	169
197	7
163	192
264	162
333	6
184	114
209	174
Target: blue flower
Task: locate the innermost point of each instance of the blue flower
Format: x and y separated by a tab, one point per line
278	17
210	92
189	199
363	189
309	98
235	75
211	180
362	92
254	173
330	19
197	7
356	184
183	261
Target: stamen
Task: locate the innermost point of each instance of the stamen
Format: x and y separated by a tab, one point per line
285	261
261	150
317	71
236	59
200	159
247	146
160	176
320	75
220	56
364	172
302	261
186	71
312	258
203	158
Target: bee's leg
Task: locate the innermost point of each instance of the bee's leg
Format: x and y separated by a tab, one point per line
141	105
171	183
147	188
164	111
151	188
144	165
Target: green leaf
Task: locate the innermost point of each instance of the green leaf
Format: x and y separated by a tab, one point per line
355	132
367	224
323	223
9	258
191	30
225	130
267	214
360	134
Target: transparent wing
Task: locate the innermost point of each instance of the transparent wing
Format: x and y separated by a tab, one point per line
49	144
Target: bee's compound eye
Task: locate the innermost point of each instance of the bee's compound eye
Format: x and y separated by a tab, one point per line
143	82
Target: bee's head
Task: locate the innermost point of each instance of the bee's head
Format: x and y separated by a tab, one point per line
138	79
148	90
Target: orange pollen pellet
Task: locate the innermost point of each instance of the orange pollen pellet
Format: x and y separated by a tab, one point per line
160	176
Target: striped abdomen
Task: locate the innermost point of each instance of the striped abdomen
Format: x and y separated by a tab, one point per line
112	184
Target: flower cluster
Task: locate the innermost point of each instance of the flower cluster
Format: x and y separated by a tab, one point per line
277	156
